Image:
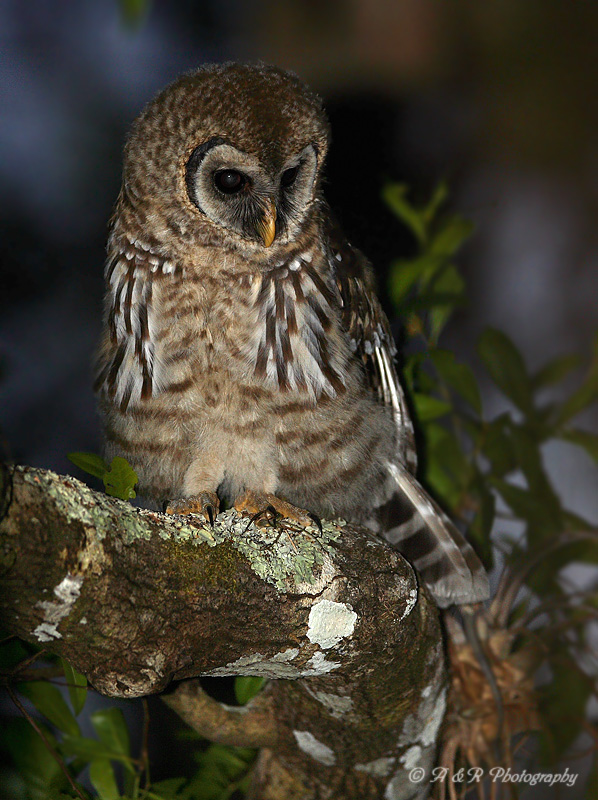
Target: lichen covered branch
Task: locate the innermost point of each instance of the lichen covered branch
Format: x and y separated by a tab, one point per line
252	725
135	599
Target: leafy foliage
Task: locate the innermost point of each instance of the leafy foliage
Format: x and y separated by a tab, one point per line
48	751
119	478
246	687
222	772
478	466
77	686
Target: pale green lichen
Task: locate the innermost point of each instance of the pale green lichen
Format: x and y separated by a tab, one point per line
78	503
88	508
135	526
282	555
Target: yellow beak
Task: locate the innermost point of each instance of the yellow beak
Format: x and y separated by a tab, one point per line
267	225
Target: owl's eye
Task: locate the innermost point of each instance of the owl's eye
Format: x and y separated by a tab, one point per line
288	176
229	181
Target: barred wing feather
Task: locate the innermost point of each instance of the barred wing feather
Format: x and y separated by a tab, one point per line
410	519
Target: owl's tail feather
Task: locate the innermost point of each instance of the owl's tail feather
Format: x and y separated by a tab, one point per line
427	538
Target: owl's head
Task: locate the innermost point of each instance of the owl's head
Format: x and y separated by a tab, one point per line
231	155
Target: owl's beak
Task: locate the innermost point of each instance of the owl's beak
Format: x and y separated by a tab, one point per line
266	227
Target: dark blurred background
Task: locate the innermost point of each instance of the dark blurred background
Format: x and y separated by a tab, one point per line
500	99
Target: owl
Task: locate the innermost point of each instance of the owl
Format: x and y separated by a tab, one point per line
245	359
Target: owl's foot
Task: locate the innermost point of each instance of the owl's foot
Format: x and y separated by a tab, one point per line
205	503
268	509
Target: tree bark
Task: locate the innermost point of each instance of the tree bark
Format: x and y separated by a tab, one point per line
135	600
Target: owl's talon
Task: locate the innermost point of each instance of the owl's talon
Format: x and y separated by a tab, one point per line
206	504
209	509
260	504
263	518
269	515
316	520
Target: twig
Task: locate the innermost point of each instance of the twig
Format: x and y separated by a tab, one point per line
144	755
501	605
59	760
469	622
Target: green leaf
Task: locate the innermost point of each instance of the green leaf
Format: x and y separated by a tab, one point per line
442	485
417	378
431	300
90	463
168	789
77	686
484	502
395	197
428	407
543	580
445	449
529	506
230	759
441	477
497	445
585	439
527	453
555	371
121	479
405	274
576	522
103	780
506	367
89	749
49	702
458	376
450	237
451	285
112	730
38	768
246	687
585	396
220	771
439	196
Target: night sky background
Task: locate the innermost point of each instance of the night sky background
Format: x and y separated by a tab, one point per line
499	99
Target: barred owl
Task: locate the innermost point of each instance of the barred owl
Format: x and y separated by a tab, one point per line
245	358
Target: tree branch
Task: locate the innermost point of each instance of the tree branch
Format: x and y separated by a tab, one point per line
136	599
252	725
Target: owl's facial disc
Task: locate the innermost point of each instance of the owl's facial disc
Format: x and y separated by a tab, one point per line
235	190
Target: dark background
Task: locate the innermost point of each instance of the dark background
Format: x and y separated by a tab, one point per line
498	98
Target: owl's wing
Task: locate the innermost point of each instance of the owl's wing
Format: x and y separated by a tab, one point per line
410	518
127	368
370	336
